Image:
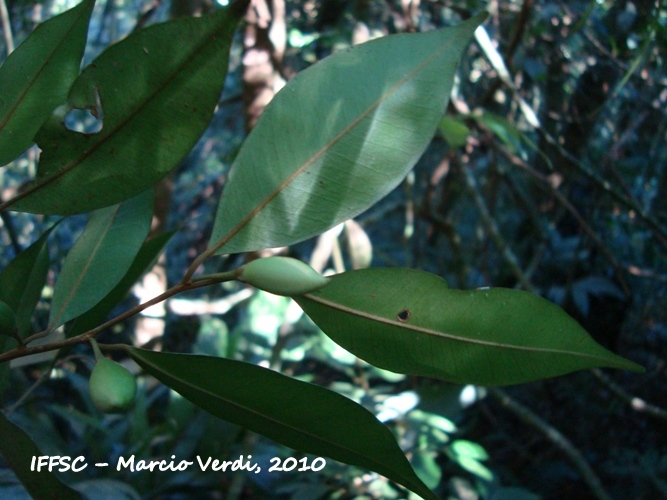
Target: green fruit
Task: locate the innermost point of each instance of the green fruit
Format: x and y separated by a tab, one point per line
282	276
112	386
7	320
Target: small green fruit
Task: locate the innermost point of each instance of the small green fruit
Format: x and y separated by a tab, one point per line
282	276
7	320
112	386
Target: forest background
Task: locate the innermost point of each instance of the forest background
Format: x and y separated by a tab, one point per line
548	174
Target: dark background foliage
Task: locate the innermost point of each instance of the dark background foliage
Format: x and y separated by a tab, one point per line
573	209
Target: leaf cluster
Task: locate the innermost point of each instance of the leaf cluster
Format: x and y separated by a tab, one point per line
338	138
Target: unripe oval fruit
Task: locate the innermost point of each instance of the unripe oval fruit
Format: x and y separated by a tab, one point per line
282	276
112	386
7	320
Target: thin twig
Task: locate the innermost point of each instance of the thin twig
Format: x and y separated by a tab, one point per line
630	202
656	228
560	197
11	232
517	35
459	263
42	378
20	352
6	27
519	29
492	229
555	436
145	15
635	403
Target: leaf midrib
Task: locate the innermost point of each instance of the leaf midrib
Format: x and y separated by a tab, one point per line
21	96
241	407
436	333
308	163
105	139
103	235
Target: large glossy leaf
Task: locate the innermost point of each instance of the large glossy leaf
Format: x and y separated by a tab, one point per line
302	416
410	321
22	281
156	92
37	76
337	138
142	263
18	450
101	256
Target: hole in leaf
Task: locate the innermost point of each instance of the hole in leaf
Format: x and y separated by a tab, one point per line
88	120
404	315
83	121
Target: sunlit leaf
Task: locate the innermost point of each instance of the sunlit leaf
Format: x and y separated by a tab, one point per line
433	420
18	451
465	448
22	281
101	257
474	466
337	138
409	321
155	92
302	416
427	468
37	76
469	456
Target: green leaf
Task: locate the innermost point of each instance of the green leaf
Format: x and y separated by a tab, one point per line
475	467
142	263
37	76
156	91
508	133
454	131
18	450
409	321
101	256
433	420
427	468
22	281
302	416
337	138
468	455
503	129
465	448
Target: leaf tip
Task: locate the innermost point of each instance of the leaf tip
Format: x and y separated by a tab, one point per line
634	367
620	363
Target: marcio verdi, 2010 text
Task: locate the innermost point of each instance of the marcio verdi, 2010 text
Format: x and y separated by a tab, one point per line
65	464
